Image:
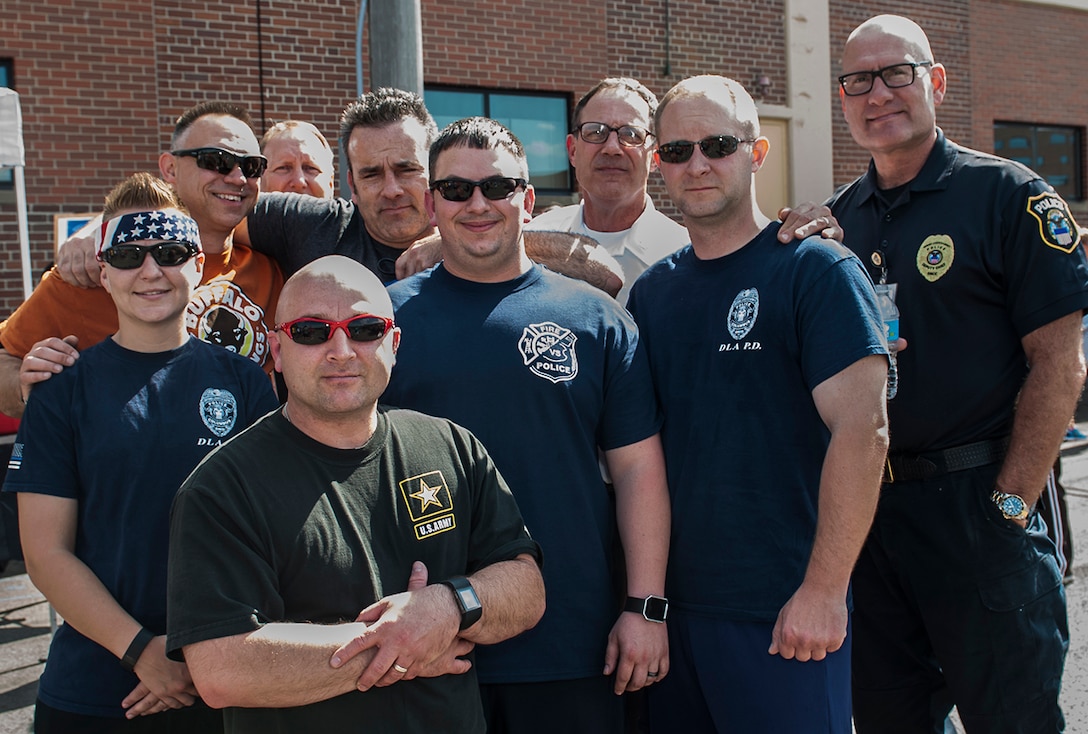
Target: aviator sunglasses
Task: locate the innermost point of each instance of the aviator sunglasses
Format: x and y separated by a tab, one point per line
362	328
223	161
713	147
166	255
495	188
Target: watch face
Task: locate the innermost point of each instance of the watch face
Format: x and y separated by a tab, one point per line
468	598
1012	505
656	608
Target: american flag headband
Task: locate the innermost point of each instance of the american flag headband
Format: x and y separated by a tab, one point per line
162	224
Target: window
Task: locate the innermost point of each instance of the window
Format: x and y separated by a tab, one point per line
539	121
7	176
1051	151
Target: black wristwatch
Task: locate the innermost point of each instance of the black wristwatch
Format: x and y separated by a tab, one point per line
467	601
652	608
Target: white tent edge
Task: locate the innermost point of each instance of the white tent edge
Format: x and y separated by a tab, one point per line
12	155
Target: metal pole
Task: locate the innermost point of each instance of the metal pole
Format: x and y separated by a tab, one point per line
24	231
396	45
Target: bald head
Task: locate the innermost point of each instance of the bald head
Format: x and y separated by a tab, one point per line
726	92
894	26
333	278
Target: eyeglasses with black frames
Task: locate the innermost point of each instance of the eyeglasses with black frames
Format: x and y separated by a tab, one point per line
895	76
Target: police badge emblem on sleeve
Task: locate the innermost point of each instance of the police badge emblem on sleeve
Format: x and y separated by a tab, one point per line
1056	226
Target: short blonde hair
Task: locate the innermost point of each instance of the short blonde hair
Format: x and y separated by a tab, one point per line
140	191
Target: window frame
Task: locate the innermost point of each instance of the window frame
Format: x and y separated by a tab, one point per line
1079	191
487	92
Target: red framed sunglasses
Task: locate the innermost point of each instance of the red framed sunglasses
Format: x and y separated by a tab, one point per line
361	328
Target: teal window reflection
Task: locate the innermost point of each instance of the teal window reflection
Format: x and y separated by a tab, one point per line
539	121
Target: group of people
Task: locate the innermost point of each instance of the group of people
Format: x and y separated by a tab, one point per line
491	498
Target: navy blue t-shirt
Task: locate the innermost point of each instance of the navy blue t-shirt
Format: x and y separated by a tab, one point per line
118	432
736	346
984	252
543	369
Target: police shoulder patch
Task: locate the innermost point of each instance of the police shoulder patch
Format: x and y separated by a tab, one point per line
1056	226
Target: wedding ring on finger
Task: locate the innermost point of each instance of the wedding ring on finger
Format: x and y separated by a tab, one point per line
400	668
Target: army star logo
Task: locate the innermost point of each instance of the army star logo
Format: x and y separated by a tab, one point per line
426	495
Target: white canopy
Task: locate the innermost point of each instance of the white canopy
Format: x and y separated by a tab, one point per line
11	130
13	156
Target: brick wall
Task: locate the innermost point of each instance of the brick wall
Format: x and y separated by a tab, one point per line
1033	73
101	82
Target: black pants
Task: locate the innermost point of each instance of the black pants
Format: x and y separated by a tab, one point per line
955	605
195	719
553	707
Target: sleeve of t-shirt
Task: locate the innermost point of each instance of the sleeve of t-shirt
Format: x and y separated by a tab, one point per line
259	395
630	410
1044	263
269	225
283	226
839	322
43	458
56	308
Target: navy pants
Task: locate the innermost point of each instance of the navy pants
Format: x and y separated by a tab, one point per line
722	680
955	605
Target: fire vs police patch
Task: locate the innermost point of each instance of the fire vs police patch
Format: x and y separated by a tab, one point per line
548	351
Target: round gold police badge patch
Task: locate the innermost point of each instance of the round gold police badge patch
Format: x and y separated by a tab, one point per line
935	256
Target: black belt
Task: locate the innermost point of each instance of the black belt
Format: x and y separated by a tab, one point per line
908	468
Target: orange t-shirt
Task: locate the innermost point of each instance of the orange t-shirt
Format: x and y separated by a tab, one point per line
234	306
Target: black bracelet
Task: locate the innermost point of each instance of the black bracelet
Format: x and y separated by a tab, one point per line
136	648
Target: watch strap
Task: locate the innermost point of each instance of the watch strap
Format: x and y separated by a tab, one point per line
647	607
467	601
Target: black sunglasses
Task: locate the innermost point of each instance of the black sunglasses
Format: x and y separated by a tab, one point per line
495	188
362	328
166	255
716	146
223	161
